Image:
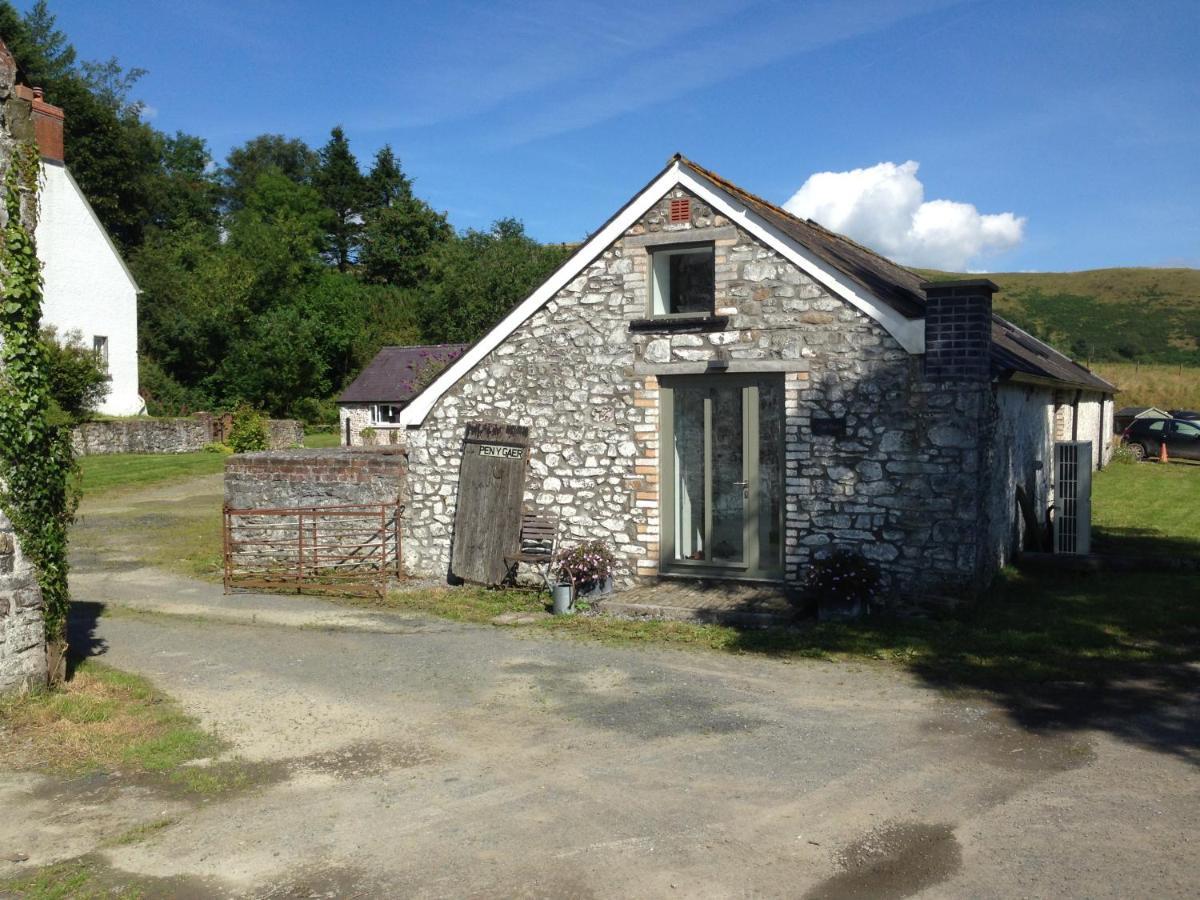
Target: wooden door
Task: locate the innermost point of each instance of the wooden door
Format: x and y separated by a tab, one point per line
491	489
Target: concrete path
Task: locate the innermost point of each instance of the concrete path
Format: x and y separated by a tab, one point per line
406	756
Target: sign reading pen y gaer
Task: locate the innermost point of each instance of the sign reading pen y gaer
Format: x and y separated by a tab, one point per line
501	452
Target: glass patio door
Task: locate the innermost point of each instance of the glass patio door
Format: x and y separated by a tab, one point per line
721	506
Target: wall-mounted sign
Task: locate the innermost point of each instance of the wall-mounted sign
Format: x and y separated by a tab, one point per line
500	451
829	427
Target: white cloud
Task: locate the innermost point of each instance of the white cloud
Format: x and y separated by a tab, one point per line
884	207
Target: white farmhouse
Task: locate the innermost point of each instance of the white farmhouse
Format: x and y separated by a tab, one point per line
87	286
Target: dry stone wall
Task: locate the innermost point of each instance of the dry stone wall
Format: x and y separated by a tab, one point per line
166	435
22	630
583	374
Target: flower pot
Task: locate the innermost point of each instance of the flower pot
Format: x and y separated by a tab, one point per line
840	609
595	589
564	599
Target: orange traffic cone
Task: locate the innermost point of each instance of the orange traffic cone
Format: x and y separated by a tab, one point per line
1162	452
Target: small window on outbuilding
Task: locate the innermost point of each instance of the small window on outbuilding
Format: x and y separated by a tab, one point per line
683	281
385	413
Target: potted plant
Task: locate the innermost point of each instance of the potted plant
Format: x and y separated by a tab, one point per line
588	566
842	584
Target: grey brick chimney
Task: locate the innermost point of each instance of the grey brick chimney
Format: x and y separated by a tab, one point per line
958	329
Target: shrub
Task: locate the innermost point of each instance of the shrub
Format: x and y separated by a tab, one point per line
843	579
586	563
217	447
78	379
1123	456
368	436
249	431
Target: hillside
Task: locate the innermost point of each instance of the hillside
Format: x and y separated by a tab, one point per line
1105	315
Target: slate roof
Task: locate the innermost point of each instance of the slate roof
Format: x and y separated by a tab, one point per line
1013	351
391	377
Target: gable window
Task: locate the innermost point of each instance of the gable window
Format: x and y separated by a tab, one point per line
683	281
100	349
385	413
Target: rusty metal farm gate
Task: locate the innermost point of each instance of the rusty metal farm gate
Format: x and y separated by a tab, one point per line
352	549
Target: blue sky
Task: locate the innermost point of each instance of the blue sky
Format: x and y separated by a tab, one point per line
1081	120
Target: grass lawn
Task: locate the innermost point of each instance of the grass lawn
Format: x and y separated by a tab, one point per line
105	720
323	439
1147	508
125	471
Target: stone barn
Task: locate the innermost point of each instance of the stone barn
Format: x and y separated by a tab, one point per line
723	390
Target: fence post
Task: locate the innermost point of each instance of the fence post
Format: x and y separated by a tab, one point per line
299	551
227	520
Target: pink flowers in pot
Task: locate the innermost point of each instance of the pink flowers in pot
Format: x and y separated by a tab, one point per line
585	564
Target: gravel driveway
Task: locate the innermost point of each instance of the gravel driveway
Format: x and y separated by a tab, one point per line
414	757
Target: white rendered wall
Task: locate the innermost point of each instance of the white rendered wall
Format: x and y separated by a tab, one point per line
86	285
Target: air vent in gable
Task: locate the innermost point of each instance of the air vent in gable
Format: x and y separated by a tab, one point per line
681	210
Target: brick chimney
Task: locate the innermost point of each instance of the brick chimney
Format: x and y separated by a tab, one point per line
958	329
47	123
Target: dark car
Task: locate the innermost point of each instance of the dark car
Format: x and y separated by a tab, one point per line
1189	414
1144	437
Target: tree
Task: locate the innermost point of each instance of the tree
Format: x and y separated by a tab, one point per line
290	156
343	190
386	182
398	240
479	277
184	191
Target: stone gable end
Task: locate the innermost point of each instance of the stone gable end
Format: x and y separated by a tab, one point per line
586	382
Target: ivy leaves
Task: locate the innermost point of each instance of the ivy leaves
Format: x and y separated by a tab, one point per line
36	460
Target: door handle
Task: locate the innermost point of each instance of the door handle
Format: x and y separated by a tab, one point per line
741	483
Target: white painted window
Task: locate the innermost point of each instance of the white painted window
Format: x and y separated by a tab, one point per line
683	281
100	348
385	413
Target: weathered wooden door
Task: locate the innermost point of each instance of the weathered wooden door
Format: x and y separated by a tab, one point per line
491	487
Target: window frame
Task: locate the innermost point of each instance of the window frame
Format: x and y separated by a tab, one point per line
663	252
100	348
378	422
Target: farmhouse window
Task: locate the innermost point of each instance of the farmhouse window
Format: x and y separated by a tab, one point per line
683	281
100	349
385	413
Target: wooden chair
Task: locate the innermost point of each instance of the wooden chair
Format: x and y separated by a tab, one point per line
539	540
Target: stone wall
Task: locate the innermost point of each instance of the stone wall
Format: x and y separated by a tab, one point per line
323	477
166	435
22	630
902	485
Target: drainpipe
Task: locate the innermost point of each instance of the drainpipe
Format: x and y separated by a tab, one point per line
1075	415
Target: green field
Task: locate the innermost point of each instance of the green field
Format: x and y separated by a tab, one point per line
1167	387
1106	315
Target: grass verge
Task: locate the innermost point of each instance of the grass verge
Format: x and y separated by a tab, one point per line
106	720
1029	628
127	471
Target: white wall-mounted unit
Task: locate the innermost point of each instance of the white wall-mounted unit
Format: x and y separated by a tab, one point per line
1073	497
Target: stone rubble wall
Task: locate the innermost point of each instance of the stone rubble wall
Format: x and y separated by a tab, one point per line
902	487
22	629
180	435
